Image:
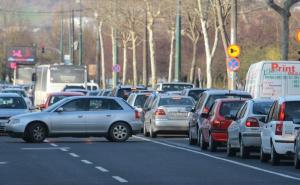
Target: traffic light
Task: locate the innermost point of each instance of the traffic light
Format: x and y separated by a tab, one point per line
43	49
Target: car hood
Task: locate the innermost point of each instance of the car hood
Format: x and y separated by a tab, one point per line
28	115
12	112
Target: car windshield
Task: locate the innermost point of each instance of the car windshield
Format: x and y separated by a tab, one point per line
262	107
12	103
21	93
230	108
292	111
195	94
176	101
140	100
175	87
212	98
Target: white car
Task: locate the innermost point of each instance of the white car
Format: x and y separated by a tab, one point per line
21	92
279	131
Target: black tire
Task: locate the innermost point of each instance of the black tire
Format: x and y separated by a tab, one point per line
146	133
36	133
212	146
263	157
191	140
275	157
296	159
230	151
203	144
152	133
244	151
119	132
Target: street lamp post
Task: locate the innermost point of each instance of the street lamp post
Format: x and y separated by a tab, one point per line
80	34
115	50
62	39
97	49
233	38
178	43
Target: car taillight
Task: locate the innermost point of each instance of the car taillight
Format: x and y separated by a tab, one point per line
281	115
216	123
160	112
205	110
137	115
252	122
278	128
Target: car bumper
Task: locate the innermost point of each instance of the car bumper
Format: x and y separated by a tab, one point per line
171	126
219	135
14	128
136	127
251	139
284	146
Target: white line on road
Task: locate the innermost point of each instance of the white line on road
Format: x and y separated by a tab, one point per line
73	155
3	162
86	162
222	159
120	179
54	145
101	169
46	148
64	149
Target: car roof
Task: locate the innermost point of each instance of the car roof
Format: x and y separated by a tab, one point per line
93	97
219	91
257	100
13	89
230	100
69	93
9	95
289	98
183	83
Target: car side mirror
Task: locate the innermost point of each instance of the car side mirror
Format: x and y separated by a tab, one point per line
59	110
193	109
204	115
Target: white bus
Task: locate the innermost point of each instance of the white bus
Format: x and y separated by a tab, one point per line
53	78
273	79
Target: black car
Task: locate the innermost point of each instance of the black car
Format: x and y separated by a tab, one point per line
297	151
193	92
124	91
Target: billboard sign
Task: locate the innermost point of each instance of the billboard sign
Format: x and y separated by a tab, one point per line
21	55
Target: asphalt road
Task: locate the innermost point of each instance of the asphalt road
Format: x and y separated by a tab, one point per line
140	161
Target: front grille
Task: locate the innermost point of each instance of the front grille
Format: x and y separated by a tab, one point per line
2	129
4	117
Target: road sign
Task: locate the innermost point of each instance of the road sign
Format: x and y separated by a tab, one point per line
234	50
233	64
116	68
297	35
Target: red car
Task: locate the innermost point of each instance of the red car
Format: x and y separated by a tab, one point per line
217	120
57	96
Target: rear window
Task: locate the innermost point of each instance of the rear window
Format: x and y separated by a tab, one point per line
175	101
12	103
140	100
292	111
195	94
230	108
175	87
212	98
124	93
262	108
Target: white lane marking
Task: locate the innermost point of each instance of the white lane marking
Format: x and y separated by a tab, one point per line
101	169
46	140
86	162
54	145
73	155
120	179
222	159
46	148
64	149
3	162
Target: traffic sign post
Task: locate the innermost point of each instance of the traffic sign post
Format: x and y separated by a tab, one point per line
116	68
233	64
234	51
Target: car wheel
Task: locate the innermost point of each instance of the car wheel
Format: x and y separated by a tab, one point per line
36	133
152	133
212	144
275	158
229	150
263	156
191	140
119	132
146	133
203	144
296	159
244	151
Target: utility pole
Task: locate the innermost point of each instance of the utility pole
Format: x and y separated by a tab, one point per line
62	39
97	50
178	43
115	49
233	38
80	35
71	38
145	53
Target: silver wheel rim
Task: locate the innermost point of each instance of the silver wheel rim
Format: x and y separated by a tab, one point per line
38	133
120	132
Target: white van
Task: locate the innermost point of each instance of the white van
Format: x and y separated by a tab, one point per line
273	79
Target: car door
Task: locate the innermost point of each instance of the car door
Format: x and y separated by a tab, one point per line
194	118
266	131
102	112
235	127
72	118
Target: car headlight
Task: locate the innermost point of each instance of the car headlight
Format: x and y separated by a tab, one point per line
14	121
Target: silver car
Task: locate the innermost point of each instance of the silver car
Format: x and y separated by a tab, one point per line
244	132
168	114
80	116
11	104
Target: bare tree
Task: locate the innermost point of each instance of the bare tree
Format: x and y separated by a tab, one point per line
125	37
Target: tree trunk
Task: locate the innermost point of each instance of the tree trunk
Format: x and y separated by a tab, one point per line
171	56
152	52
193	66
124	62
134	67
102	56
285	37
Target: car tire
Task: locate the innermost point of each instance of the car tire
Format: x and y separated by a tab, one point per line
191	140
244	151
229	150
203	144
36	133
296	159
212	144
152	133
263	157
146	133
275	157
119	132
